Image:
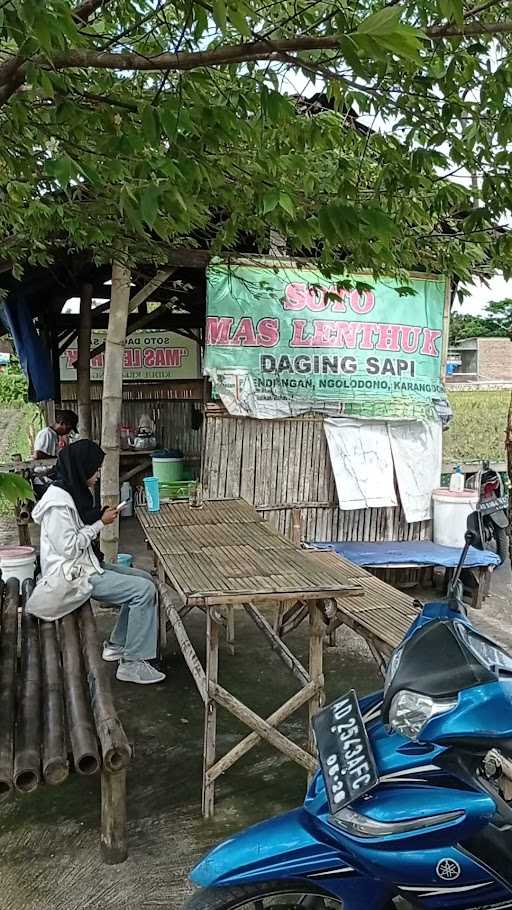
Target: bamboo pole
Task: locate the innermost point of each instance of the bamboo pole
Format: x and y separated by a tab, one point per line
508	446
8	681
114	842
27	751
55	761
113	399
84	363
81	728
114	744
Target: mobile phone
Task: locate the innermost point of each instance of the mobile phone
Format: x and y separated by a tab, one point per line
122	505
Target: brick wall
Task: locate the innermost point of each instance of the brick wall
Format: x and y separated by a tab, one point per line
495	359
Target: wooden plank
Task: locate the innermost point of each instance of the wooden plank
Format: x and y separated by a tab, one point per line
277	645
316	672
186	646
210	725
281	714
264	730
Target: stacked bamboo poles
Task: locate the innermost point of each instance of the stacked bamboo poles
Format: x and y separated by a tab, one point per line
8	642
115	749
57	693
27	753
54	746
80	723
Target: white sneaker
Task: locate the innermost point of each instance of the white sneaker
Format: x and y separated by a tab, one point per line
112	652
138	671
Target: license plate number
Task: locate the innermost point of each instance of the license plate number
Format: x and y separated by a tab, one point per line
345	752
496	504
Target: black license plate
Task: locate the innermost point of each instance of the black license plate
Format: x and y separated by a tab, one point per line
345	753
496	504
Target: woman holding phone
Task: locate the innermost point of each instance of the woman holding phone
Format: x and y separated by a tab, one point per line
70	524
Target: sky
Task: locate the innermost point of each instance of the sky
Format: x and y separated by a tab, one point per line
480	295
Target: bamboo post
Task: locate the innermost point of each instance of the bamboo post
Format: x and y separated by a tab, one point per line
84	362
316	673
210	724
8	644
27	753
114	843
81	728
55	761
508	446
114	744
113	400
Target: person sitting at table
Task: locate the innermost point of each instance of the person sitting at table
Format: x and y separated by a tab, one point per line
70	524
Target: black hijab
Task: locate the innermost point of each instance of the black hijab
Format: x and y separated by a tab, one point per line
76	464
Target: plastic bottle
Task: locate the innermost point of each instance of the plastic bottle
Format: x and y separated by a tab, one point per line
457	480
127	494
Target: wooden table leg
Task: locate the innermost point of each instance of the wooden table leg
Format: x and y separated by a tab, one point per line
210	720
230	630
316	672
482	578
162	619
114	843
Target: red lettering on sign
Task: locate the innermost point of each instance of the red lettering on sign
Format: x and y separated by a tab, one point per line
218	329
245	336
410	338
430	336
388	337
268	332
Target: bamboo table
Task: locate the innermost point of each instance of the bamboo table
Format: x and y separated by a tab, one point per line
221	556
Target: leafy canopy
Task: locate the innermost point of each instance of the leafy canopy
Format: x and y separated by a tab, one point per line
144	123
496	322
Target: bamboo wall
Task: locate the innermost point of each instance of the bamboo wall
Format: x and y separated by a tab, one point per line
283	468
172	416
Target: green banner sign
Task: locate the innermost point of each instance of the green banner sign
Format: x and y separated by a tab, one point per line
288	341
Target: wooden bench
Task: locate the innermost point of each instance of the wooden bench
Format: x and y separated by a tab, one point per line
56	711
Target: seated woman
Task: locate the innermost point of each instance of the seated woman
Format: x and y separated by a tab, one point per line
70	524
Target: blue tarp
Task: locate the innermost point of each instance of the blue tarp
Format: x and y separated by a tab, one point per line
33	355
412	552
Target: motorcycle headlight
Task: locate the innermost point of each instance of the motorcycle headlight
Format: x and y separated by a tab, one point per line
410	712
365	826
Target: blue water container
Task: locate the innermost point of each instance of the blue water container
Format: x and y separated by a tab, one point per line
125	559
152	488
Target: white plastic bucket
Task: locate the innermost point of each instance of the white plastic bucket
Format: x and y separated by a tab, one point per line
17	562
451	510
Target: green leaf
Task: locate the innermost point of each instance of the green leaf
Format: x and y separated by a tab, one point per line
286	203
270	201
453	10
149	204
13	487
151	124
219	14
239	21
383	22
62	169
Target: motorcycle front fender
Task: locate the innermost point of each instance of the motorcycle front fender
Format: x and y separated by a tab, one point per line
284	849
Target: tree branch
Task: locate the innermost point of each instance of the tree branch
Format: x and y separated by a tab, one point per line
239	53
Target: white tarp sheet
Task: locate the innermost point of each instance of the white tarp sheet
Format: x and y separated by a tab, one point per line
365	456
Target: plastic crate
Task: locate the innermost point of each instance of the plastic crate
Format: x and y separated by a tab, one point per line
177	489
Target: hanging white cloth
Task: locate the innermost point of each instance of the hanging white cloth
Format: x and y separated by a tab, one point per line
362	463
417	455
366	454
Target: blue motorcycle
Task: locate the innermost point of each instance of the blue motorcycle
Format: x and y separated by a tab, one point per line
411	799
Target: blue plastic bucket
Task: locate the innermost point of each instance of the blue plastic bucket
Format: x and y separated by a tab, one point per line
152	488
124	559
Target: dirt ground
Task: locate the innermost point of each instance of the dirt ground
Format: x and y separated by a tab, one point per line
49	840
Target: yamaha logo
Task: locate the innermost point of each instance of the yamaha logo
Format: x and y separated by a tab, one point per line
448	870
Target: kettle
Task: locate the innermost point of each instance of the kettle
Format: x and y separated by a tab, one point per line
144	440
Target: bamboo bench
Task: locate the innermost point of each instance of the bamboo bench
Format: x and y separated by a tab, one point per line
57	713
381	616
